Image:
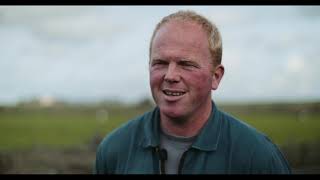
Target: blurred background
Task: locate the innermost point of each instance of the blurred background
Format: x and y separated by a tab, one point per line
68	74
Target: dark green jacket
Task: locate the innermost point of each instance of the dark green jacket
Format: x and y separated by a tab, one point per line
225	146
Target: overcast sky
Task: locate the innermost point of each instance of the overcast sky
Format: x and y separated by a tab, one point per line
90	53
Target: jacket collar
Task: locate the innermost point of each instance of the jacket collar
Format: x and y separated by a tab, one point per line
151	129
207	139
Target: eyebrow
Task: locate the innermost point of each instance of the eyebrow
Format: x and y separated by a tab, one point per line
158	60
191	62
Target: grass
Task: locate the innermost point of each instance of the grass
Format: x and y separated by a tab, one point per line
65	127
21	129
285	127
51	140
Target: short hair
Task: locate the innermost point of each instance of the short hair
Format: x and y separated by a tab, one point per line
214	37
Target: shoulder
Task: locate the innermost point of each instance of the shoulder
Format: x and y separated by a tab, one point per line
120	136
267	158
253	147
115	145
238	129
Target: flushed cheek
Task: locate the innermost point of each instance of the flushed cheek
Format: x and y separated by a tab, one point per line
155	76
200	83
155	80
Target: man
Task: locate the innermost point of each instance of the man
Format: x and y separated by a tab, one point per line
186	133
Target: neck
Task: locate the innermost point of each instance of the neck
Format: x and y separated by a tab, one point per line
187	126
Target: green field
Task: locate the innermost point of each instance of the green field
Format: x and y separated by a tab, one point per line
51	140
284	127
22	128
27	128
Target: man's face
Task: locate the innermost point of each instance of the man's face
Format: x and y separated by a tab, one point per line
180	69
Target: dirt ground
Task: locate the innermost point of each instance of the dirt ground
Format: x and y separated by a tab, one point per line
48	161
78	160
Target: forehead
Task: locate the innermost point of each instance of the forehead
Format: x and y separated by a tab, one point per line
182	37
180	31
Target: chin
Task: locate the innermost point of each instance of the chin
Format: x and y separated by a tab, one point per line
171	112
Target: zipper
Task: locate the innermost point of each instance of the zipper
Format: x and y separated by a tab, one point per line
182	161
161	164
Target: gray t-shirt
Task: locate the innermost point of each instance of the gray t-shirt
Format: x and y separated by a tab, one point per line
175	147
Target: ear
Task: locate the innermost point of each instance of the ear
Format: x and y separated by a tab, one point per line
217	76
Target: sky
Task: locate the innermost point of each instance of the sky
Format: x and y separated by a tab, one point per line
94	53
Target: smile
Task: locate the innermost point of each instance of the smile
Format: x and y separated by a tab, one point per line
173	93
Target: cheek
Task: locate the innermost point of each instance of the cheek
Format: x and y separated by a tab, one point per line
201	81
155	78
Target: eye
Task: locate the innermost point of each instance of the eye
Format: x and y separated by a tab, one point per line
189	64
158	62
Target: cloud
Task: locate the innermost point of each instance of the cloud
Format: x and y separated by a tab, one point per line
295	64
91	53
64	23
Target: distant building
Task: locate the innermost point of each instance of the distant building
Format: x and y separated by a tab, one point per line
46	101
43	101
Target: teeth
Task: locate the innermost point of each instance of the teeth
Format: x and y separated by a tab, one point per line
169	93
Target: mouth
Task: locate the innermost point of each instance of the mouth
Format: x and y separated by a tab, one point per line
173	92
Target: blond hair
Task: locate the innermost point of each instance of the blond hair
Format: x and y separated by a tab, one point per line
214	38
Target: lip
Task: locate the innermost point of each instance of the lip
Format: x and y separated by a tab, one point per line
173	98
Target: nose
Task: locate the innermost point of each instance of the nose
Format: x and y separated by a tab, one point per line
172	75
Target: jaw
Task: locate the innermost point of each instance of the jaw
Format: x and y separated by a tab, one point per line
172	106
178	107
172	111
